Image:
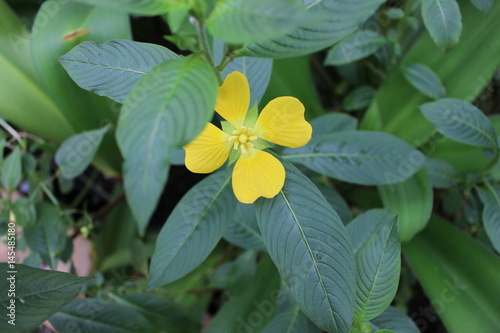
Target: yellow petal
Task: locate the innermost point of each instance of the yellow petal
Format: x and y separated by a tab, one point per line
233	99
208	151
282	122
257	174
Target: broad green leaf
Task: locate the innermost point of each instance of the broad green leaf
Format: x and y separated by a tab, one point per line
257	70
366	158
243	229
443	20
424	79
460	121
141	7
98	315
320	273
459	275
113	68
20	91
291	320
411	201
334	20
332	123
193	229
442	174
167	108
25	212
366	224
490	197
77	152
239	22
464	82
483	5
37	295
163	313
359	98
11	170
63	25
48	235
252	309
357	46
378	266
395	320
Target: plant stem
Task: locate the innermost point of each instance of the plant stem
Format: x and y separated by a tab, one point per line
203	40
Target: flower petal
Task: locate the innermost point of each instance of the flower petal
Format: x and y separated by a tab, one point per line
257	174
208	151
233	99
282	122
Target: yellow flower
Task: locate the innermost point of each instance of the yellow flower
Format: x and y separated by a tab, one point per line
256	173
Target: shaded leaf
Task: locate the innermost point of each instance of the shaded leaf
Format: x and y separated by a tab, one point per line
193	229
443	20
483	5
37	295
113	68
424	79
243	229
357	46
367	158
394	319
331	123
442	174
320	273
460	121
167	108
291	320
359	98
490	197
11	170
143	7
77	152
411	201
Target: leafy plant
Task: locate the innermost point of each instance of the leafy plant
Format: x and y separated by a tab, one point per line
309	220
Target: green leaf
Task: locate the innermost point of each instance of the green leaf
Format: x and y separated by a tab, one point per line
77	152
63	25
378	266
250	310
359	98
113	68
460	121
331	123
291	320
20	87
394	319
257	70
442	174
141	7
459	275
167	108
24	212
334	20
37	294
443	20
48	235
193	229
320	273
490	197
483	5
243	229
357	46
252	21
100	316
424	79
411	201
366	224
366	158
337	201
11	170
162	312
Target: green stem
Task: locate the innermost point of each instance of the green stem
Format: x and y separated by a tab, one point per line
203	41
493	163
14	133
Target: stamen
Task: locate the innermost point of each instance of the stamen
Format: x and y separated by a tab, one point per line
253	137
243	149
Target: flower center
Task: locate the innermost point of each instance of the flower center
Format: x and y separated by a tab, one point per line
241	139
